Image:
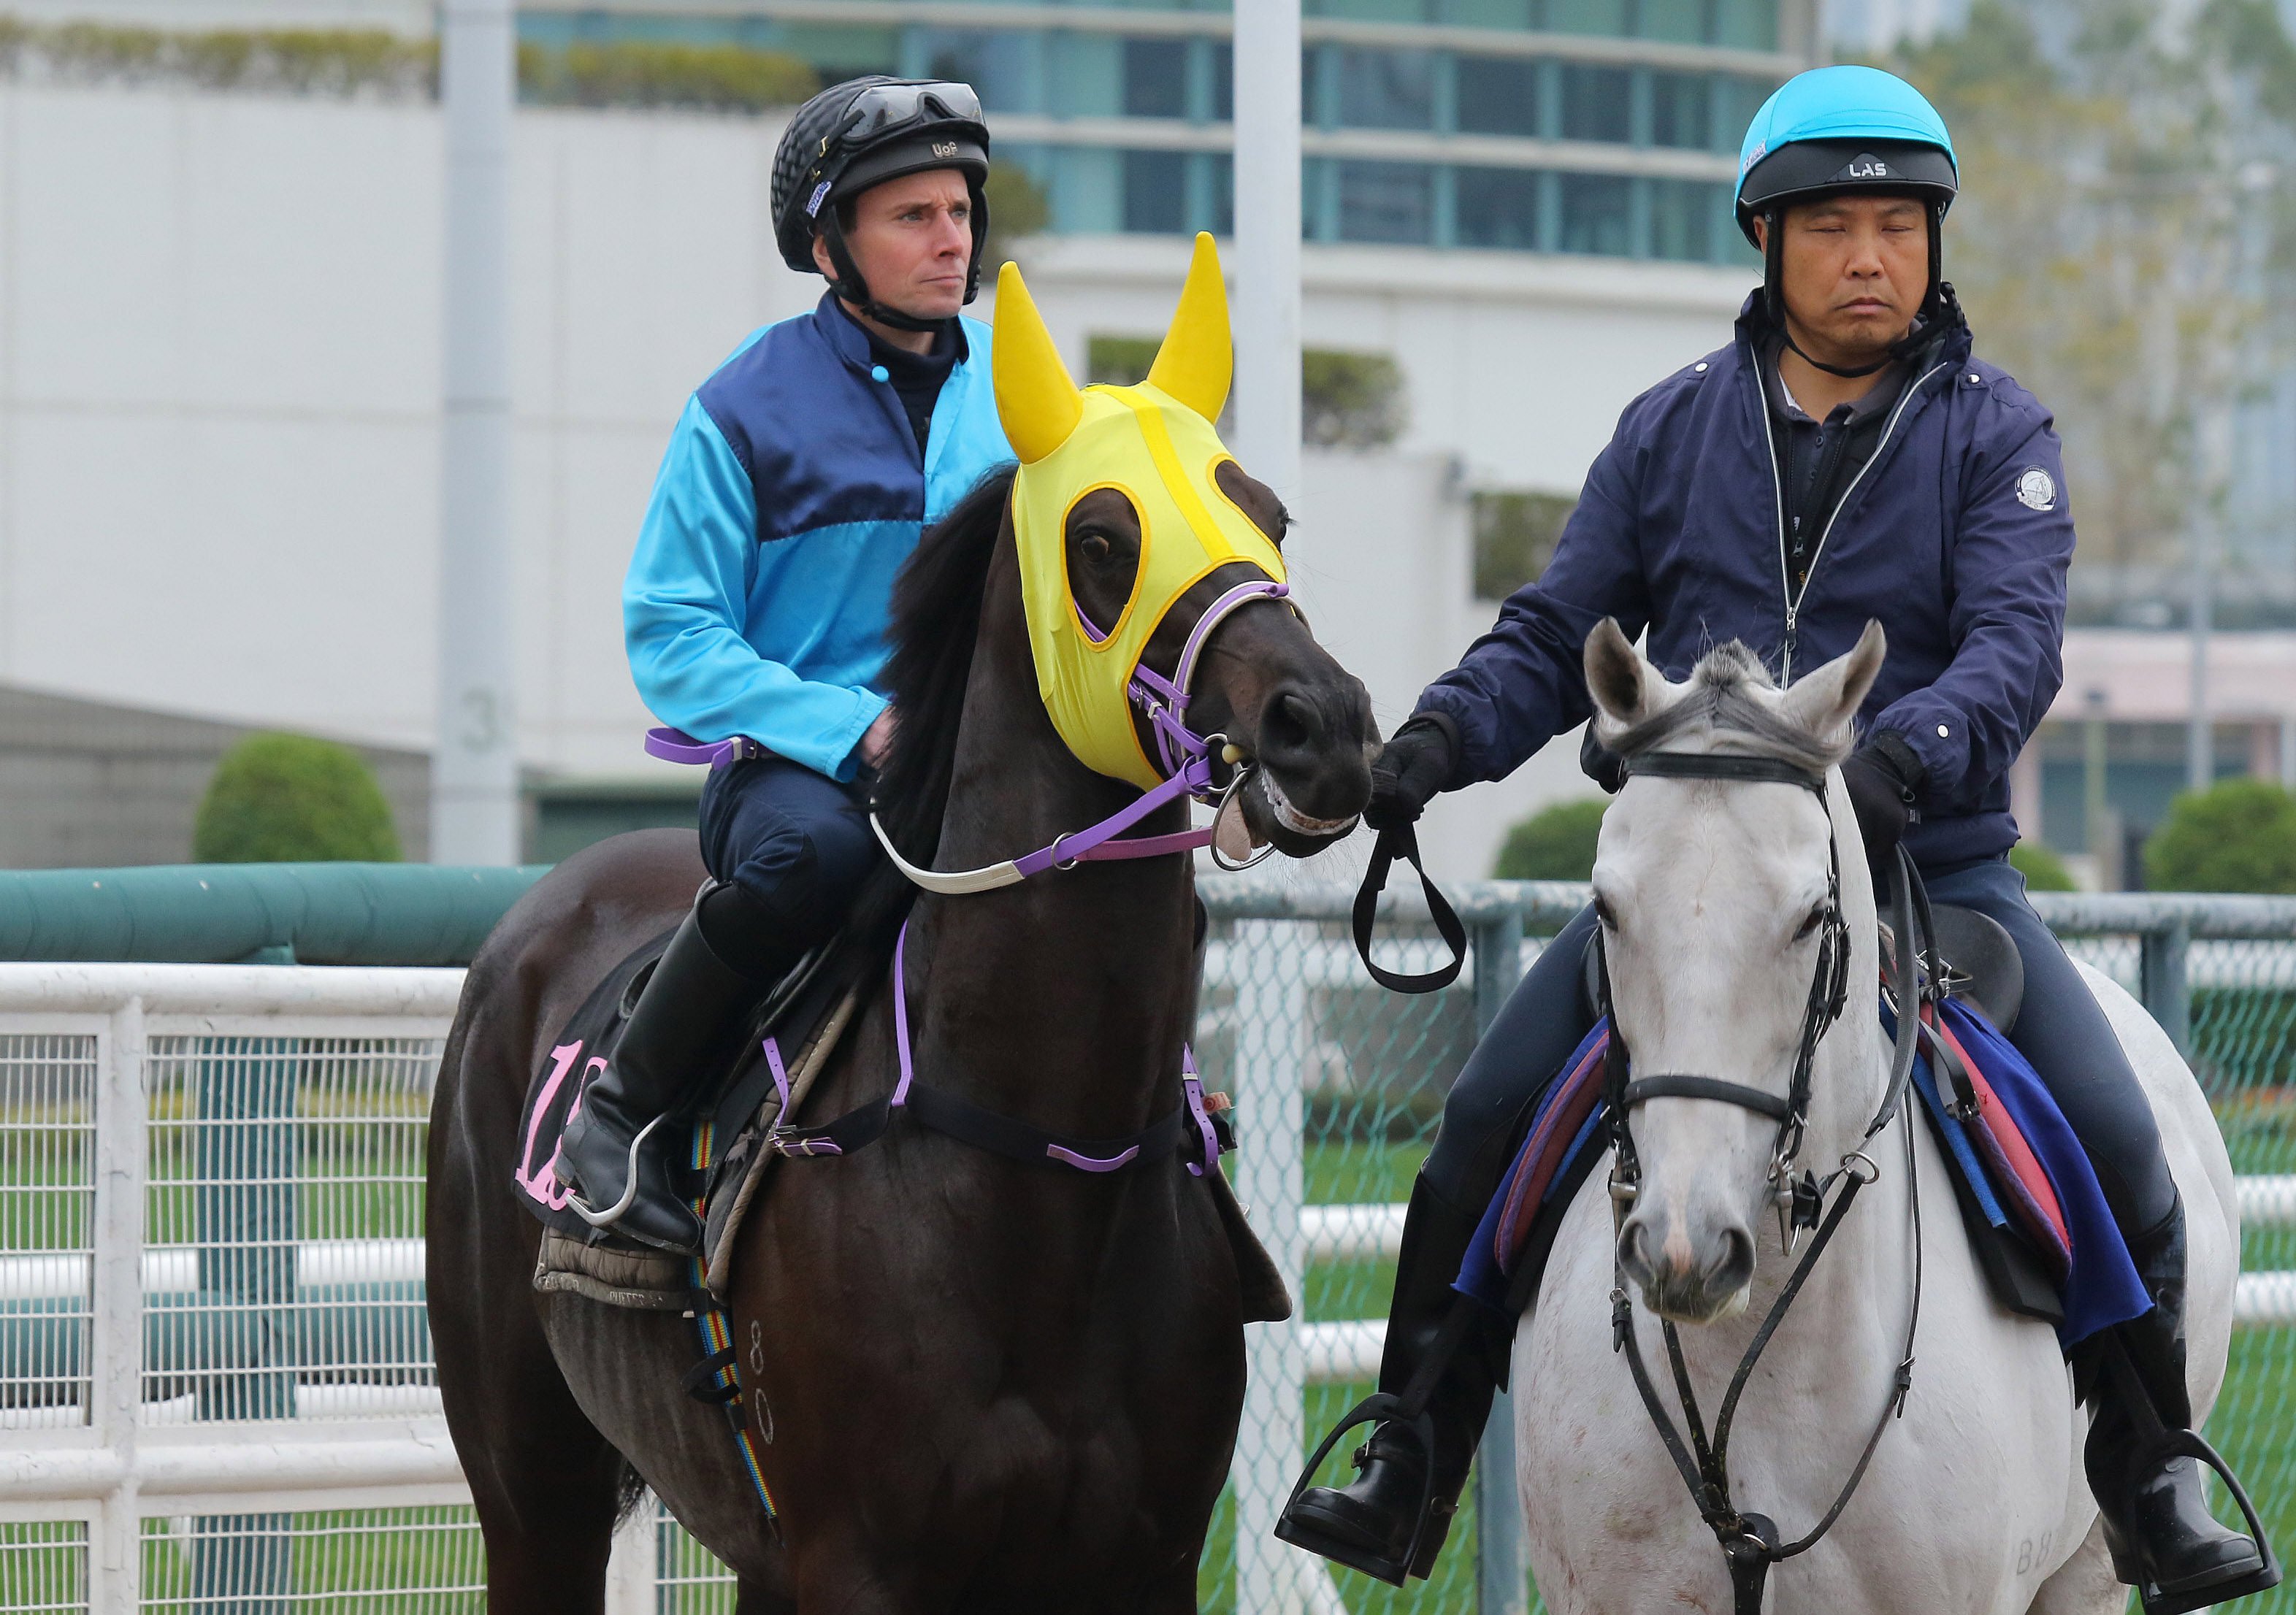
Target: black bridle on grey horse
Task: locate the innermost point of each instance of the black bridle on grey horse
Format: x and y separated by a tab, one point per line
1750	1542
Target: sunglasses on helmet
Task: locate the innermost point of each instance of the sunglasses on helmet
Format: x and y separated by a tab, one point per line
886	107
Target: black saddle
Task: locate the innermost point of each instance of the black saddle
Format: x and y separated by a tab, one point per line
1979	957
1981	962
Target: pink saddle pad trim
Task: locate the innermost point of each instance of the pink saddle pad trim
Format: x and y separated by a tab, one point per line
2012	1154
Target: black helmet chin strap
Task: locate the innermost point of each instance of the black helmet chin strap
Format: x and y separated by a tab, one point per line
1938	303
850	288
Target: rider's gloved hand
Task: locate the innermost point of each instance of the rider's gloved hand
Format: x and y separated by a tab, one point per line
1600	764
1416	763
1882	776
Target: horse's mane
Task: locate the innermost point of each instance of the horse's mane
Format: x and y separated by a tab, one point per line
936	619
1720	702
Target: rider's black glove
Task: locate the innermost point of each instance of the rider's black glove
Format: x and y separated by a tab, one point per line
1416	763
1600	764
1882	776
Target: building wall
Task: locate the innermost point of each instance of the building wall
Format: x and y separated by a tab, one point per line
219	382
90	786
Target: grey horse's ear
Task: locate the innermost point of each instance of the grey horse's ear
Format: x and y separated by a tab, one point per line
1624	686
1826	700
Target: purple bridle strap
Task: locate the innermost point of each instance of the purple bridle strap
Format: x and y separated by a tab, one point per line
676	746
1098	843
901	1015
1192	1085
1165	701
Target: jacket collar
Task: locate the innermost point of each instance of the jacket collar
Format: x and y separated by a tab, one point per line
1951	345
851	343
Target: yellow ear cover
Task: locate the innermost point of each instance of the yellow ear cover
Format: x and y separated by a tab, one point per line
1036	400
1197	361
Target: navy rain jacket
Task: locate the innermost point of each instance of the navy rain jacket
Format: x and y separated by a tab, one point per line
1956	537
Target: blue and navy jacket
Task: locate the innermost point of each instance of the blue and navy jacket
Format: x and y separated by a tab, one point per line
1956	537
791	493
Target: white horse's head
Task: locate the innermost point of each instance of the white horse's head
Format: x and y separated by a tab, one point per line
1713	898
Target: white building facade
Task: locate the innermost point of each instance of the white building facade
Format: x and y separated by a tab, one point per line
219	382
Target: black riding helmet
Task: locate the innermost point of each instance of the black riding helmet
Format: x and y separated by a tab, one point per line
862	133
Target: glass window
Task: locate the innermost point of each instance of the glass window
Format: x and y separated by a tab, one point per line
1223	54
1740	99
1156	77
1217	172
1002	68
1387	202
1516	14
1598	102
1682	110
1586	16
1682	20
1368	11
1497	95
1386	89
1681	220
1749	24
1594	210
1156	192
1499	207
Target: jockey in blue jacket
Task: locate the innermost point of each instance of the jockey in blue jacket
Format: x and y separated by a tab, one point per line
796	483
1845	457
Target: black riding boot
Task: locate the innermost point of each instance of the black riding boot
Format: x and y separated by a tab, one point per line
2164	1541
614	1155
1368	1524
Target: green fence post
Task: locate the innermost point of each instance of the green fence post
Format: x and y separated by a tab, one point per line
2163	984
243	1224
1502	1587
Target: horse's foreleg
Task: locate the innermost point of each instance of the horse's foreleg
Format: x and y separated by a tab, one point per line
2085	1584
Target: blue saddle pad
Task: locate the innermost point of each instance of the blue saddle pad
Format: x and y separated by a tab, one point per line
2098	1285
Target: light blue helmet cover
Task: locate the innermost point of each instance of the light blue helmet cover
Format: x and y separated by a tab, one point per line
1843	103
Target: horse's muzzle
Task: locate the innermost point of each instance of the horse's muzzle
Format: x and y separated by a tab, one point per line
1687	1274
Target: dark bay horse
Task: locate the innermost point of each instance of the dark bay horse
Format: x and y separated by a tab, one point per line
974	1383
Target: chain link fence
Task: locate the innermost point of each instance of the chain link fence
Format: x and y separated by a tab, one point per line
277	1164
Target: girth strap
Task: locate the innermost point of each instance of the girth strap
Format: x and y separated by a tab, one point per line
961	1119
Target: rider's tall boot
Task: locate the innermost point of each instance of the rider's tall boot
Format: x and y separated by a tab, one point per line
614	1154
1368	1524
2156	1524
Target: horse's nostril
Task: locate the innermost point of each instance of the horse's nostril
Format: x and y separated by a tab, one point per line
1632	1257
1291	723
1734	1266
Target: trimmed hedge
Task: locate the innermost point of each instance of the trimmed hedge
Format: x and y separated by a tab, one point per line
2238	835
2043	869
289	799
349	63
1556	843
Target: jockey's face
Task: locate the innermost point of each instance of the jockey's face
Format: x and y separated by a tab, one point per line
911	237
1854	272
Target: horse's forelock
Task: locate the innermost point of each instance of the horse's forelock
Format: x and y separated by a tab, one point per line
1728	697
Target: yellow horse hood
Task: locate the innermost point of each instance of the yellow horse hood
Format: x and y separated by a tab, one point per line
1154	443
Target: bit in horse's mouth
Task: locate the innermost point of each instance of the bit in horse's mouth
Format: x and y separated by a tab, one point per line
1298	822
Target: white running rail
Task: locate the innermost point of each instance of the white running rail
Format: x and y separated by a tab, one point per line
175	1143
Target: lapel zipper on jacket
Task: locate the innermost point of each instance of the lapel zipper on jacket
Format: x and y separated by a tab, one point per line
1792	596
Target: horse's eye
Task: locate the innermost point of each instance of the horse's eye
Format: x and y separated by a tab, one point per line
1603	916
1096	548
1817	918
